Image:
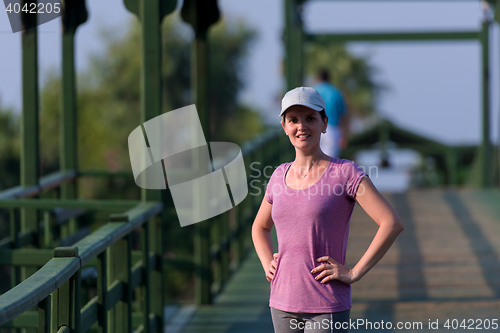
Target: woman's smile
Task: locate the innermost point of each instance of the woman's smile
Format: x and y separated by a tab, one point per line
303	137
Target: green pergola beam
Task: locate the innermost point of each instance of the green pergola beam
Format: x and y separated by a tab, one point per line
393	37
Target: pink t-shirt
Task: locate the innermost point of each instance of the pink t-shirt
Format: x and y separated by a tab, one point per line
311	223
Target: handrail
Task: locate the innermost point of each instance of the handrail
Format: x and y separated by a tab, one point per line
59	270
47	182
37	287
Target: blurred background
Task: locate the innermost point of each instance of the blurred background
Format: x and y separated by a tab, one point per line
430	88
415	107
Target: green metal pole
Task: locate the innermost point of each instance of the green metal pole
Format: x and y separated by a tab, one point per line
293	44
30	151
485	146
68	136
75	15
199	74
151	13
68	147
201	14
151	71
288	45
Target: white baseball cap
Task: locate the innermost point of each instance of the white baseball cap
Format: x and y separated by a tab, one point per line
305	96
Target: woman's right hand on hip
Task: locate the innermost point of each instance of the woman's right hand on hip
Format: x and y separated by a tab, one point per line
272	268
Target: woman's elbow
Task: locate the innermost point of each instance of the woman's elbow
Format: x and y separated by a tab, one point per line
398	225
393	224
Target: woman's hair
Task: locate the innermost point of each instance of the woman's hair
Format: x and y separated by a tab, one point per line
322	113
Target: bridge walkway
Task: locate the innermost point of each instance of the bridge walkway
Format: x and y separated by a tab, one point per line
445	265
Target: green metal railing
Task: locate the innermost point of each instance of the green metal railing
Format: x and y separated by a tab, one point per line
56	287
55	290
51	289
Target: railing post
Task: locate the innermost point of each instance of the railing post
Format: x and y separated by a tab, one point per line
156	275
214	242
68	304
15	276
44	315
232	221
145	289
224	240
241	227
119	269
102	290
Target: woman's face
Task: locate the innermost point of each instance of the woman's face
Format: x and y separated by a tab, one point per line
304	126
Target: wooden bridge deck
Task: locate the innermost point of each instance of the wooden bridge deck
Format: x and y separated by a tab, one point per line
445	265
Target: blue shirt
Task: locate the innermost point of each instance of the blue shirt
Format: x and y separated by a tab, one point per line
335	106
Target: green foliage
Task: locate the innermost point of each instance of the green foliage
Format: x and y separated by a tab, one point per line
50	105
9	164
9	148
242	126
229	44
109	93
353	75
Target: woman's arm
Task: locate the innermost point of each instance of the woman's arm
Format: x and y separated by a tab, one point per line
390	226
261	235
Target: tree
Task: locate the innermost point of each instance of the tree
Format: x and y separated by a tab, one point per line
9	148
353	75
109	93
229	43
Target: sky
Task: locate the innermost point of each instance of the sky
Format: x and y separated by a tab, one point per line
434	87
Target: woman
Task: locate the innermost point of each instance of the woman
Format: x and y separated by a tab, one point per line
310	201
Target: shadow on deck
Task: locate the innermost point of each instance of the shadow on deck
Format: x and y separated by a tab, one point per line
445	265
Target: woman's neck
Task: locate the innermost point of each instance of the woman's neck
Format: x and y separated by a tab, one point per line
308	158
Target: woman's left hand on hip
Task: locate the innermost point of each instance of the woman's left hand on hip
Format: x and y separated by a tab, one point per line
332	270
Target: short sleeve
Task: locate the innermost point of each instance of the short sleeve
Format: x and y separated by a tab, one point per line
269	194
353	174
276	177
